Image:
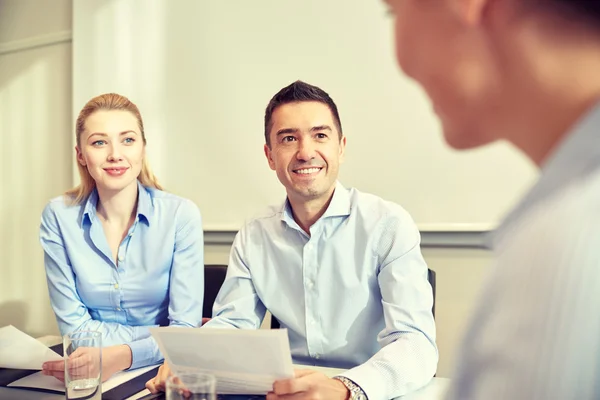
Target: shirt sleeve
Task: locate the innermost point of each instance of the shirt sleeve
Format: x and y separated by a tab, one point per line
237	305
186	288
408	357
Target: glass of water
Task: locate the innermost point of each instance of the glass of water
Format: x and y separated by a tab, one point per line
191	385
83	365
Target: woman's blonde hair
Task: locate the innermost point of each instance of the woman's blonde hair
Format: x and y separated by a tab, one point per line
108	101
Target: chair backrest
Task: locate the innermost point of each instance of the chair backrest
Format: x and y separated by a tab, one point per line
214	275
430	277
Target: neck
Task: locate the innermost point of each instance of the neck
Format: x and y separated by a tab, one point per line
118	207
558	82
306	213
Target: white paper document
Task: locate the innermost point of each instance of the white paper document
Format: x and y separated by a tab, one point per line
244	361
20	351
40	381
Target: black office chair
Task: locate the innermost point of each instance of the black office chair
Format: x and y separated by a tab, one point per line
430	277
214	275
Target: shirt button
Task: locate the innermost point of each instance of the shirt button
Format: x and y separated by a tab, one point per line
317	356
118	309
116	285
309	284
121	258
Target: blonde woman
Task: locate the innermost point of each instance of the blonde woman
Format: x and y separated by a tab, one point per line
121	255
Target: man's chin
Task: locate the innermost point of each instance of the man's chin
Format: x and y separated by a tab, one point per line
307	192
460	139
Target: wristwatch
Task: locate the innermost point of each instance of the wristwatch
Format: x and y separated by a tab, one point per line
356	393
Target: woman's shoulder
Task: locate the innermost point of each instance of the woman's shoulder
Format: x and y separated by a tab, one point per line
177	204
63	204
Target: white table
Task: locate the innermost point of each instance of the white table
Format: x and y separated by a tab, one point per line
434	390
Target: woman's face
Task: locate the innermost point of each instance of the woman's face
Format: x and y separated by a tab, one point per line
112	149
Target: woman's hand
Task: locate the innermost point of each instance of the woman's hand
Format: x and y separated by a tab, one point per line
81	363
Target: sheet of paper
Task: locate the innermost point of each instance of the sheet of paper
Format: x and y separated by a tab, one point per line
40	381
244	361
20	351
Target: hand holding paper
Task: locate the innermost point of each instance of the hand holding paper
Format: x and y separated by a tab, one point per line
243	361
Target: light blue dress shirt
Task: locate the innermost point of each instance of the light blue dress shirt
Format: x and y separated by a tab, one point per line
536	331
158	280
354	294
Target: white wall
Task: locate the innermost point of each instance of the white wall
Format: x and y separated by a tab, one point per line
35	149
35	165
202	73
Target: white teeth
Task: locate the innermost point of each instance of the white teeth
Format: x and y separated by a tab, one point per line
308	171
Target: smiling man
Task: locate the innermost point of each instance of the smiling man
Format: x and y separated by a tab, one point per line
340	269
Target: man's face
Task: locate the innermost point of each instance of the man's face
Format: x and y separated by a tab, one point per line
305	149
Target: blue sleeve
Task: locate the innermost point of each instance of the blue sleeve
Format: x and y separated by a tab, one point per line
186	288
187	272
408	357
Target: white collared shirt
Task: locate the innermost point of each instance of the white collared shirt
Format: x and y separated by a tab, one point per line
353	294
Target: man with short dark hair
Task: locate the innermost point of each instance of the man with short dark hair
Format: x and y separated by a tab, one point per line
342	270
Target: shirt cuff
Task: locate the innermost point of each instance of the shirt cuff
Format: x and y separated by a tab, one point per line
370	381
144	352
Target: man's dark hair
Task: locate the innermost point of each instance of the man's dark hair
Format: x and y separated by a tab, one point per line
296	92
586	10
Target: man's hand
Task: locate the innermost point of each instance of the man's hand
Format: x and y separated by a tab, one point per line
157	384
309	385
82	361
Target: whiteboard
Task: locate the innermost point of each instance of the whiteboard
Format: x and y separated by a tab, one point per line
202	73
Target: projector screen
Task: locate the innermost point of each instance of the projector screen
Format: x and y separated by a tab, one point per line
202	73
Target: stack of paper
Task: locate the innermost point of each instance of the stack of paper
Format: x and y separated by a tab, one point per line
20	351
243	361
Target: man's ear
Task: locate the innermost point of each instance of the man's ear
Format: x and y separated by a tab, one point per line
342	148
268	154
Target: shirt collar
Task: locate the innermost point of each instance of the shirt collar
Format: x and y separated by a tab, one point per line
338	207
576	155
145	205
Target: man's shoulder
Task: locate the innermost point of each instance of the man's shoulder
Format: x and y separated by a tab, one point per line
565	224
265	219
368	204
